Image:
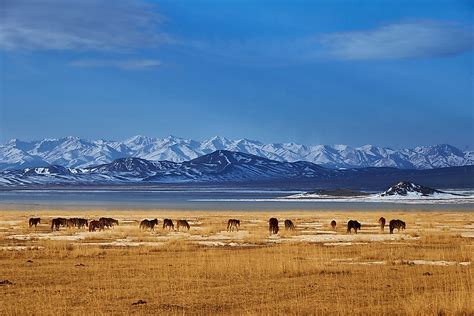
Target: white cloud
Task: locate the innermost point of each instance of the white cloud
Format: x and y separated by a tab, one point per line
401	40
86	25
126	64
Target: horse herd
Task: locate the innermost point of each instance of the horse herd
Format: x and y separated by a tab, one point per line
232	224
167	224
351	225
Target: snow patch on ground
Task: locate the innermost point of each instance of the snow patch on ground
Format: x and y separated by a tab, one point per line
433	262
50	236
352	238
344	243
20	248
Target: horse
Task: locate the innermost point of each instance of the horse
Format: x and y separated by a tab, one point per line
34	221
82	222
233	223
168	223
58	222
396	223
289	225
144	224
382	223
71	222
182	222
108	222
352	224
333	224
93	225
273	225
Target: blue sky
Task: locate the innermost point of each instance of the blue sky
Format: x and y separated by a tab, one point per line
390	73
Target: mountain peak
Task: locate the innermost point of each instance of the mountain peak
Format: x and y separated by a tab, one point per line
405	188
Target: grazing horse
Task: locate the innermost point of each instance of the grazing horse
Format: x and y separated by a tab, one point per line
82	222
108	222
289	225
93	225
353	225
58	222
145	224
333	224
396	223
382	223
34	221
71	222
273	225
233	223
182	222
168	223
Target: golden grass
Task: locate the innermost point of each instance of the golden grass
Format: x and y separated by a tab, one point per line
180	276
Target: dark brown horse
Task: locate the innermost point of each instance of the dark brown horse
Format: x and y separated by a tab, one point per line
289	225
382	223
182	223
93	225
233	223
145	224
34	221
352	224
58	222
273	226
168	223
398	224
82	222
108	222
71	222
333	224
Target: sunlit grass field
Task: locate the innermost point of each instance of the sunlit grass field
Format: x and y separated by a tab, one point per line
424	270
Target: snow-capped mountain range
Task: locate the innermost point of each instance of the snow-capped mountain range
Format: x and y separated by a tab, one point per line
74	152
227	167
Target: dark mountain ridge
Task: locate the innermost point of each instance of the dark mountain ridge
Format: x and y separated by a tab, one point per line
224	167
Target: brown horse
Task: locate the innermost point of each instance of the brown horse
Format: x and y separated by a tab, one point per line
108	222
182	223
382	223
71	222
289	225
82	222
233	223
93	225
168	223
145	224
34	221
398	224
333	224
273	226
353	225
58	222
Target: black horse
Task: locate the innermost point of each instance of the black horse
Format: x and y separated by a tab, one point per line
145	224
352	224
398	224
273	225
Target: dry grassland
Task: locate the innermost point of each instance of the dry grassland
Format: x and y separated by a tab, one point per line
424	270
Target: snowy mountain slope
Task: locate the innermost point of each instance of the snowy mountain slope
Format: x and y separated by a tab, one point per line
219	166
224	166
406	188
74	152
